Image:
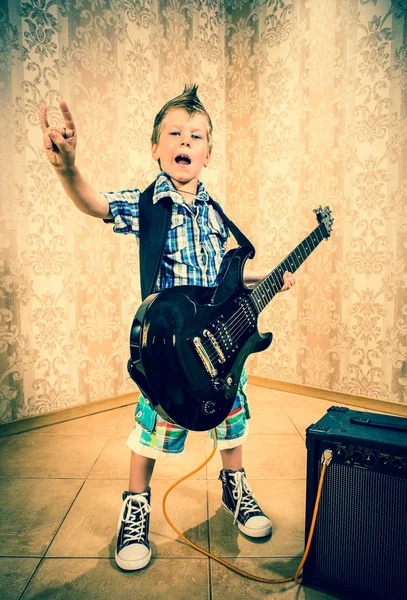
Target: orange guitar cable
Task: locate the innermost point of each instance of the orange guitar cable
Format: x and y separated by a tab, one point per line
326	459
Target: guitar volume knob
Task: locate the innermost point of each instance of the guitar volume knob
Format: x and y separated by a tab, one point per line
217	384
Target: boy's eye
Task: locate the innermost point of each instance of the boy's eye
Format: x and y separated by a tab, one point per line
174	133
198	137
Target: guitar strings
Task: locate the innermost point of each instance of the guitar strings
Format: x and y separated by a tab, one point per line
241	327
238	323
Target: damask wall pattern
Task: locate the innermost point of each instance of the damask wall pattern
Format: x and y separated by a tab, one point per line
308	100
69	286
316	115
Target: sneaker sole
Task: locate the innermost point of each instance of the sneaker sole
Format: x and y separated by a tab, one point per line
253	533
133	565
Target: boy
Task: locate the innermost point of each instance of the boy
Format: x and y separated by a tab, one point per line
195	246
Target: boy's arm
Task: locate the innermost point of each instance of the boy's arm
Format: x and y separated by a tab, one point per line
84	196
60	148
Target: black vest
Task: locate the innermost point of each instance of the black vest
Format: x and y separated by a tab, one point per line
154	223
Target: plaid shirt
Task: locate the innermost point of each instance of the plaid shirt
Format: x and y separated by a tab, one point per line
196	239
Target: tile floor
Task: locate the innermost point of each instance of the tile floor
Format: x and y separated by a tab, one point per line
60	498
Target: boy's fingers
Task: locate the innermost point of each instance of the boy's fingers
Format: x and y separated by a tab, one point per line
66	113
68	120
54	135
64	131
289	281
59	141
44	118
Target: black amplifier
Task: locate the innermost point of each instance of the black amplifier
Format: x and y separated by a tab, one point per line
359	549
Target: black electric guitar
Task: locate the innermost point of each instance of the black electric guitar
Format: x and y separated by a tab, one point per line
188	344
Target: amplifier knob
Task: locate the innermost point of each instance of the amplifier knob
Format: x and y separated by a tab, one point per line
341	451
356	456
397	464
383	461
370	459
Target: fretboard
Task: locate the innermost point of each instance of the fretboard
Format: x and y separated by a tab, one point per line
272	284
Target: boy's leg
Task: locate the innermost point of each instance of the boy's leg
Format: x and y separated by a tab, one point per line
232	458
151	438
237	496
141	470
133	549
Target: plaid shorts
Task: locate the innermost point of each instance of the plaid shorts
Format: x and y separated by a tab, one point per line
154	437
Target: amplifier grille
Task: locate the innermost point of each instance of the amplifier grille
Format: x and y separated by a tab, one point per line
361	531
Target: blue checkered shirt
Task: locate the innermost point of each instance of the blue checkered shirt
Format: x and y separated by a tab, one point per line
196	240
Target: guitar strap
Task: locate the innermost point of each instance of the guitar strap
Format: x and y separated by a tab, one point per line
154	223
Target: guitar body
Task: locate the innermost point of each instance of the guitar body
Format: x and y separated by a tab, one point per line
188	346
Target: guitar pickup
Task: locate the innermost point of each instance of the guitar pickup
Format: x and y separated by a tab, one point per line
215	344
204	357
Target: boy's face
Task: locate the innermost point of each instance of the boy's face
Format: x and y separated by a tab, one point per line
183	146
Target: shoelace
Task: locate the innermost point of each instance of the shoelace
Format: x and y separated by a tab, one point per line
136	518
247	502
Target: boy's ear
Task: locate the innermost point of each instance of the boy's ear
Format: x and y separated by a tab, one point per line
207	158
154	151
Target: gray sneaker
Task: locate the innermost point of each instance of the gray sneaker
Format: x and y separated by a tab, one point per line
238	500
133	548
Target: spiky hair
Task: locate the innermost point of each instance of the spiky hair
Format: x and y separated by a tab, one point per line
188	101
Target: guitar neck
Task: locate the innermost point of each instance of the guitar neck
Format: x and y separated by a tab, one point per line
272	284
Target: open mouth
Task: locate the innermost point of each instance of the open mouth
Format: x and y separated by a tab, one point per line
183	159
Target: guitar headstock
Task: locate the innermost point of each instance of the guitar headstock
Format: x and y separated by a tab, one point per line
324	217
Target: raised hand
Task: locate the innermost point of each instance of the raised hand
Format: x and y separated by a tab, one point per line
59	142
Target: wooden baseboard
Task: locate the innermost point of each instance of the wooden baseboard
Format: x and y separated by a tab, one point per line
393	408
85	410
66	414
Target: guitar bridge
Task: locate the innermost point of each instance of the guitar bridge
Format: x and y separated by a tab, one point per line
204	357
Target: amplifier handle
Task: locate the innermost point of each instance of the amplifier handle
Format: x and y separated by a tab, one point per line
373	423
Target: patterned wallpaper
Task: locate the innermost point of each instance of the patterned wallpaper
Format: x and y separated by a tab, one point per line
308	101
316	114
